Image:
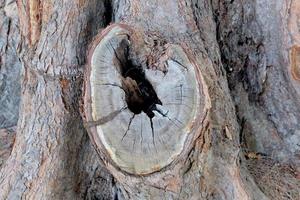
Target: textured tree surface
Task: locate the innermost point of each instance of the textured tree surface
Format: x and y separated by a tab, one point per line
10	66
247	51
143	116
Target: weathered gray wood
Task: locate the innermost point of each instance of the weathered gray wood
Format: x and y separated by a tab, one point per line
130	140
204	174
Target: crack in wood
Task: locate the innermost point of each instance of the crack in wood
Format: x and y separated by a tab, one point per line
128	127
140	95
106	119
121	61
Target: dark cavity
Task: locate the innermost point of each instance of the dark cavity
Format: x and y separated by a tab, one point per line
140	95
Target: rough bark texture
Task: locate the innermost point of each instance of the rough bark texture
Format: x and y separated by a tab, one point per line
10	65
52	157
7	137
257	41
256	57
247	51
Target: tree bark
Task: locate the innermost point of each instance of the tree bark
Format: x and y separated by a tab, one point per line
10	65
52	158
248	53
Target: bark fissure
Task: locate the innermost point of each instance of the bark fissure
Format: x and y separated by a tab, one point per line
52	87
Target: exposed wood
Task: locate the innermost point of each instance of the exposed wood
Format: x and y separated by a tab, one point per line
174	21
129	139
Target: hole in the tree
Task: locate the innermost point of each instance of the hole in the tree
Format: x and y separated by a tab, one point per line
140	95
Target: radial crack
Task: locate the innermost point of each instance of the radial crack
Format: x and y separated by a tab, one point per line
128	128
152	128
176	61
106	119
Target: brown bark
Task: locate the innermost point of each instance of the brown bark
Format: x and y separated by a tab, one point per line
52	158
248	53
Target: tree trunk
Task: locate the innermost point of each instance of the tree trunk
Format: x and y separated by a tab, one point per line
247	52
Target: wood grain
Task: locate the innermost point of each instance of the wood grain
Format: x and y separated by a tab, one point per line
128	138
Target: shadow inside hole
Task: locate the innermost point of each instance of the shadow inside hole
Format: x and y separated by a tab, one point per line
140	95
